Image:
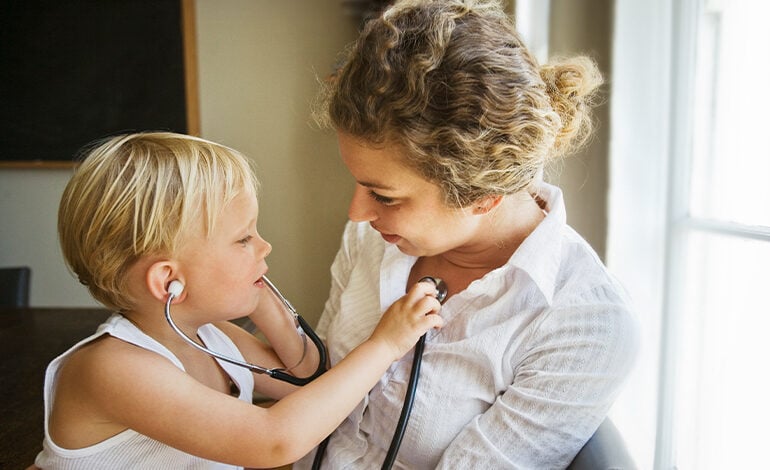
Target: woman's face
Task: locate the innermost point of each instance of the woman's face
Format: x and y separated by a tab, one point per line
405	208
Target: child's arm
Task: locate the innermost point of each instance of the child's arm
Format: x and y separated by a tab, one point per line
276	323
126	387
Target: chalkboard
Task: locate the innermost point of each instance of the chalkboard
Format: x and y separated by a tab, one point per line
77	70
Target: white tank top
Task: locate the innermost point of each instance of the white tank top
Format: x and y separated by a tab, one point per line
129	449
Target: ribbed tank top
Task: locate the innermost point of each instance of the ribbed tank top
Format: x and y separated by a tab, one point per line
129	449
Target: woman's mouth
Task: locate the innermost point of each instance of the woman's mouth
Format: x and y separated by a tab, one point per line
390	238
387	237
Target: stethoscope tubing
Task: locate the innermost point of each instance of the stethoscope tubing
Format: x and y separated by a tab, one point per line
284	376
406	410
411	390
275	373
403	420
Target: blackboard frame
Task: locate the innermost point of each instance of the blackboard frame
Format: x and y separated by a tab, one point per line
173	106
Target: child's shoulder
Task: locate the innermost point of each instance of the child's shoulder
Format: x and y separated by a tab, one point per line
97	383
107	359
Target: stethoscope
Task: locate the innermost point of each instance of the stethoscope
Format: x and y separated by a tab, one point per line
175	288
411	389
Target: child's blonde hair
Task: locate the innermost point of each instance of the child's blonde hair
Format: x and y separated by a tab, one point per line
141	194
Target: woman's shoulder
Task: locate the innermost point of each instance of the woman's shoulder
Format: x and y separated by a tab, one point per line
590	307
583	277
602	332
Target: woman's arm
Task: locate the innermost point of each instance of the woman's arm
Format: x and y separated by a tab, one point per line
561	393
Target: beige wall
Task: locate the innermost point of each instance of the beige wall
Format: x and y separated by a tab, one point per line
585	27
258	62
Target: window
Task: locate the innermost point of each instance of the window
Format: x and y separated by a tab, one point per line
690	227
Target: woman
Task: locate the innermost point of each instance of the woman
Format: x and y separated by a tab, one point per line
445	122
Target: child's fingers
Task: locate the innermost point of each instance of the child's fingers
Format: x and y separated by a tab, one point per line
420	290
432	319
425	313
427	305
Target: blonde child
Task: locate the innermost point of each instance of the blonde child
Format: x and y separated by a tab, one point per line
141	211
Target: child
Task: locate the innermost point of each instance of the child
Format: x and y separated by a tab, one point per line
146	209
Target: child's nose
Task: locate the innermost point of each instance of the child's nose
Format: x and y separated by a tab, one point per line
263	247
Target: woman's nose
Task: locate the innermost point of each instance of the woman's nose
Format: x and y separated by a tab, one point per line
361	206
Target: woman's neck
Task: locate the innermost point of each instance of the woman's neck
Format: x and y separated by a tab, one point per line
502	232
498	237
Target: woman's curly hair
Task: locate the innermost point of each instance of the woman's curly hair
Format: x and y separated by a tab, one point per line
451	83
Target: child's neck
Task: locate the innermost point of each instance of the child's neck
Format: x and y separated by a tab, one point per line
196	363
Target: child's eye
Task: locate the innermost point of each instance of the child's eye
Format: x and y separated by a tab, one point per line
381	199
245	240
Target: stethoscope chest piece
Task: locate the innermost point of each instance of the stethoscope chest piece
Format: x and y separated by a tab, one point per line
441	287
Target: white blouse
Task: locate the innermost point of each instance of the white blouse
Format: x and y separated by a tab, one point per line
527	365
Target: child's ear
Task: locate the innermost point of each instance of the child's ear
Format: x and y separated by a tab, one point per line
486	204
159	276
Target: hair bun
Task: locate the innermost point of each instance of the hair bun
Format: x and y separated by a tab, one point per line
572	85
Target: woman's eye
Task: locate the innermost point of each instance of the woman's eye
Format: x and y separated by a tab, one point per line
381	199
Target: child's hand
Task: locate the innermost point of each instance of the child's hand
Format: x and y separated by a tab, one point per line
409	318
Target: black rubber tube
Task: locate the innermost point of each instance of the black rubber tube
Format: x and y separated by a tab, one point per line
398	435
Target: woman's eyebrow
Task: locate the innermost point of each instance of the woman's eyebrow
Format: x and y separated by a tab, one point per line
376	186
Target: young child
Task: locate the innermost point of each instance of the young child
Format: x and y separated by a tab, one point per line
141	211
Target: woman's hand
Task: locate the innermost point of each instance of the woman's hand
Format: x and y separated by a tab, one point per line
409	318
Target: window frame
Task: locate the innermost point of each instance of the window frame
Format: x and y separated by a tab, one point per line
652	119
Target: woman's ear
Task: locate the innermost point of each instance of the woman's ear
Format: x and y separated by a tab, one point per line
159	277
486	204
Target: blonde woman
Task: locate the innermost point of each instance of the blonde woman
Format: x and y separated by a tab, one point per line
445	122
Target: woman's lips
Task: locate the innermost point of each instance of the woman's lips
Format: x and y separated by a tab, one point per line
390	238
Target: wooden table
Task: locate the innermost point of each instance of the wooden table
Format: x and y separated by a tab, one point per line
29	340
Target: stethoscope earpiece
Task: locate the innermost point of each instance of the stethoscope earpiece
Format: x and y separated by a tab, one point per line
175	288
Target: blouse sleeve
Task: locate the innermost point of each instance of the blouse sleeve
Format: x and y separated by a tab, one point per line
576	361
340	275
